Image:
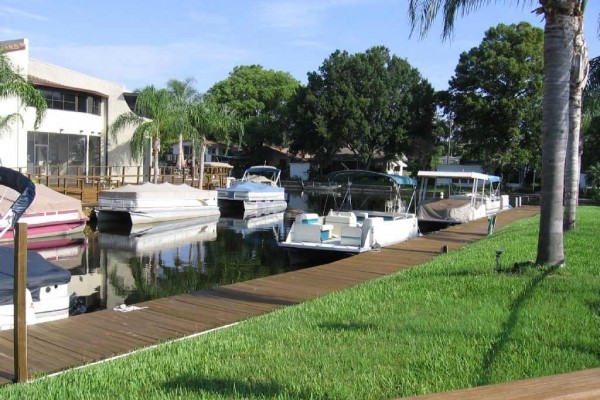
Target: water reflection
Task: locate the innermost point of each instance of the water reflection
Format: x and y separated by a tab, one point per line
113	265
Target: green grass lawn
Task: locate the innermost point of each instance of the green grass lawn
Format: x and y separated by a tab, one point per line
449	324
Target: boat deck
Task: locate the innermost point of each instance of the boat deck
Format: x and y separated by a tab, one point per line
72	342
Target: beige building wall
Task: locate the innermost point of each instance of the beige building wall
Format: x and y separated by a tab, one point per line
114	151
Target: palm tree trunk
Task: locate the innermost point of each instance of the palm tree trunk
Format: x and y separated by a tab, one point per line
155	154
180	159
579	73
558	53
202	151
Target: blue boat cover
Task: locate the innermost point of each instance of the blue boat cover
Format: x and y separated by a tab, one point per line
249	186
493	178
40	273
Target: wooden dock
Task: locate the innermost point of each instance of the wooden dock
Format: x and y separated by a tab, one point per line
76	341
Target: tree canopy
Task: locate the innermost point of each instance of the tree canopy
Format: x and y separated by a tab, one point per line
258	98
368	102
496	97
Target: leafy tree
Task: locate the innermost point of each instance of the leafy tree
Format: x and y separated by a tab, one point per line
563	22
496	98
368	102
258	97
153	120
13	84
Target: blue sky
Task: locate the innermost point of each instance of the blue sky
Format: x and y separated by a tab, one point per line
142	42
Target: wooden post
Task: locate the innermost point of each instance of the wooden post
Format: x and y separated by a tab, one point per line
20	314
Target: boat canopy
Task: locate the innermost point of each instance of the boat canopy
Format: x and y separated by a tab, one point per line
359	174
458	175
262	169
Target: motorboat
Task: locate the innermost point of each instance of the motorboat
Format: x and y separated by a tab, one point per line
458	197
50	214
258	189
47	296
151	203
357	231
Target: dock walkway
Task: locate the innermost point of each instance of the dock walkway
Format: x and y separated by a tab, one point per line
76	341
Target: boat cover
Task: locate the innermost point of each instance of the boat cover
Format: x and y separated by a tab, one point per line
40	273
157	191
250	186
451	210
46	200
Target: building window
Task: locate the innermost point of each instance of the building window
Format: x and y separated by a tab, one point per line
69	100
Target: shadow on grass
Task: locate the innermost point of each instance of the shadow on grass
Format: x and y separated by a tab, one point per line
230	388
507	327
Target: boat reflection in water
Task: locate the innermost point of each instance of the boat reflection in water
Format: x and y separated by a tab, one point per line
112	265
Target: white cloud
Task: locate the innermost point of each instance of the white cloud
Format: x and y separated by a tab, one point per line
138	66
11	12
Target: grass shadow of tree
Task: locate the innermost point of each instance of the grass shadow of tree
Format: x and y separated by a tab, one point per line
508	326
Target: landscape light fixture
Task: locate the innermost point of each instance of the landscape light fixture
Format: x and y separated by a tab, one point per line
498	254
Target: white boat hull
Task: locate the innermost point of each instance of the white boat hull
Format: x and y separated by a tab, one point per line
148	204
345	234
52	305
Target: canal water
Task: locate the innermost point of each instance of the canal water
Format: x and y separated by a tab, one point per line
111	267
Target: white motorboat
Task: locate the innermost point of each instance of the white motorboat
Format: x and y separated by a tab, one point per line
259	189
47	296
458	197
356	231
50	214
152	203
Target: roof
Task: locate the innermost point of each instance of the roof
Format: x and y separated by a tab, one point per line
12	45
458	175
45	82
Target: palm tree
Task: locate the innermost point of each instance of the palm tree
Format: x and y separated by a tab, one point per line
563	21
579	76
152	119
184	94
214	121
13	84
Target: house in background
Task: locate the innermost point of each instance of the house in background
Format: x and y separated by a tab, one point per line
73	136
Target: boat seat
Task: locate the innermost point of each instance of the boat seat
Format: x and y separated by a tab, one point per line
315	233
339	220
307	218
351	236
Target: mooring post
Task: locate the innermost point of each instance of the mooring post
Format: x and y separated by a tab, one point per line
20	315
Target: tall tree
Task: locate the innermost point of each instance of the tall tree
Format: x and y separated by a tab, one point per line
259	98
579	75
495	96
369	102
14	84
184	95
214	121
561	23
152	119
